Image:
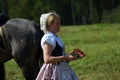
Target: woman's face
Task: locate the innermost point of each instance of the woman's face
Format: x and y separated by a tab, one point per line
55	27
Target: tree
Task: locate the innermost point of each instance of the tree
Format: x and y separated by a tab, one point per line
4	6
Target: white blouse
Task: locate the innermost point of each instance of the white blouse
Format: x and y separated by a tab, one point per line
51	39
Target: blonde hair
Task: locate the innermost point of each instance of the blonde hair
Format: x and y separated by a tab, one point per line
50	20
46	20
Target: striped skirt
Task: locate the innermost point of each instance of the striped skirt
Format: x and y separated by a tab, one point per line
61	71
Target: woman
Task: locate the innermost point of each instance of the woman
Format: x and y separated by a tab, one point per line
55	65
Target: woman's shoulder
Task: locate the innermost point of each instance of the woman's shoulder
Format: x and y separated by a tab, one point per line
48	36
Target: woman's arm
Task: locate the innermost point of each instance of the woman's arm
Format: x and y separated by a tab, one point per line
47	51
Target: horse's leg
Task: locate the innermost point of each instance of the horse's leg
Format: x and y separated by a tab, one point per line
30	69
28	60
2	72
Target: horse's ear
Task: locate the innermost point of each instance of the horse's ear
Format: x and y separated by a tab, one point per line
3	18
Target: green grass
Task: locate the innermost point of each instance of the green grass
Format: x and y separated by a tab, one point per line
101	44
13	71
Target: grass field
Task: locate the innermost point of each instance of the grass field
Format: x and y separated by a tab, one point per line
101	44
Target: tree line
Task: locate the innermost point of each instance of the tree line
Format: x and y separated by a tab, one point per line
72	12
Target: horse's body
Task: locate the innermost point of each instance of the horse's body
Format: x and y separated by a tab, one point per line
22	38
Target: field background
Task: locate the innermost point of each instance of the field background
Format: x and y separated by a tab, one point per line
101	44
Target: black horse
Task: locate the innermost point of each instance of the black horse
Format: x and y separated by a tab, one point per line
21	41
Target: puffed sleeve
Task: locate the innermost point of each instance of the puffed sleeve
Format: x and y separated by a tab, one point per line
49	39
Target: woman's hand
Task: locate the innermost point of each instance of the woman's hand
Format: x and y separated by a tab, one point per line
70	57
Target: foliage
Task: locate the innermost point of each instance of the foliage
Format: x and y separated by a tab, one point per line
100	42
72	12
